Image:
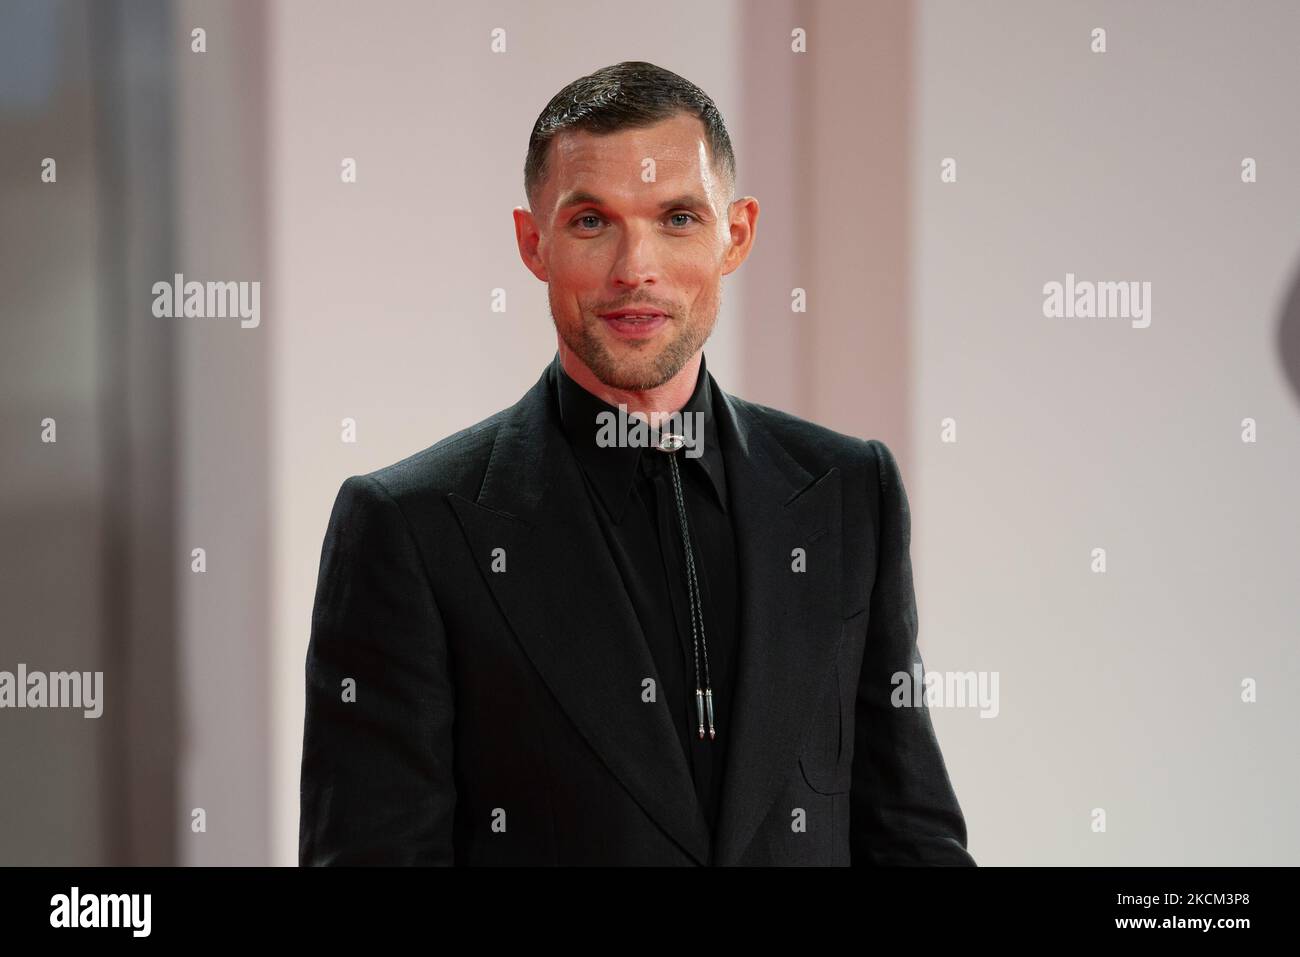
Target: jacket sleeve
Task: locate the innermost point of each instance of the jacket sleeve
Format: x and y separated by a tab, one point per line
377	784
903	810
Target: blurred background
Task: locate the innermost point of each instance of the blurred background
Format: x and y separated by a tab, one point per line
1120	691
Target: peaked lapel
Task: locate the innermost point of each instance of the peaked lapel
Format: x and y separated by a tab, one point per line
789	620
566	603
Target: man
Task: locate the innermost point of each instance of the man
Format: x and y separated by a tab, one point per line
631	619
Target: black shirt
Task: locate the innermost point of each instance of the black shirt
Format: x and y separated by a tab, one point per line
632	493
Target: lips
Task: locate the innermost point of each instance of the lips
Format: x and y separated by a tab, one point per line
632	314
634	323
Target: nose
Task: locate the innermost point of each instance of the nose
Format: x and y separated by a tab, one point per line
636	263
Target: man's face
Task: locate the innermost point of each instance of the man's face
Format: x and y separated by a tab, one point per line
633	232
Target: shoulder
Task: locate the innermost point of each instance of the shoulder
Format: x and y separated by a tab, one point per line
817	447
456	463
871	483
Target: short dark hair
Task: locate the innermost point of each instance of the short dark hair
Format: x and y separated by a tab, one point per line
622	96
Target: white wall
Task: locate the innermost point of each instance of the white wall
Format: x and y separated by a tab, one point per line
1119	691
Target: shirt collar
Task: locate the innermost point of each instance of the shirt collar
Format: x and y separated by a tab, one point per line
612	470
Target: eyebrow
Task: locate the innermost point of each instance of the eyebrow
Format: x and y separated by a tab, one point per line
582	197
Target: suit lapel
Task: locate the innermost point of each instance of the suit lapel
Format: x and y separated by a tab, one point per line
568	607
789	621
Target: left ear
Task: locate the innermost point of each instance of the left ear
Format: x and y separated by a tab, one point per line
742	225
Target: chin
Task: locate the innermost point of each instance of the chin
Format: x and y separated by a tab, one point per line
632	379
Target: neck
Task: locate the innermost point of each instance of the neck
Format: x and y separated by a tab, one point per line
653	403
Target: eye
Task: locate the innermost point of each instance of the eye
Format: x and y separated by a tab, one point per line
585	216
690	216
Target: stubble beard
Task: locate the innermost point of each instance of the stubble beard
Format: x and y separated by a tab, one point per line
642	369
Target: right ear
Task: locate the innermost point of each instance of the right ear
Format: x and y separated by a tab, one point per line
530	240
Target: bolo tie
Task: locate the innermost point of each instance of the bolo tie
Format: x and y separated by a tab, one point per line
670	444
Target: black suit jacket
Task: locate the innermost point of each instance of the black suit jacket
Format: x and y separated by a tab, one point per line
498	713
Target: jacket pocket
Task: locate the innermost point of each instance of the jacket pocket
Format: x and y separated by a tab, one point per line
822	761
826	760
